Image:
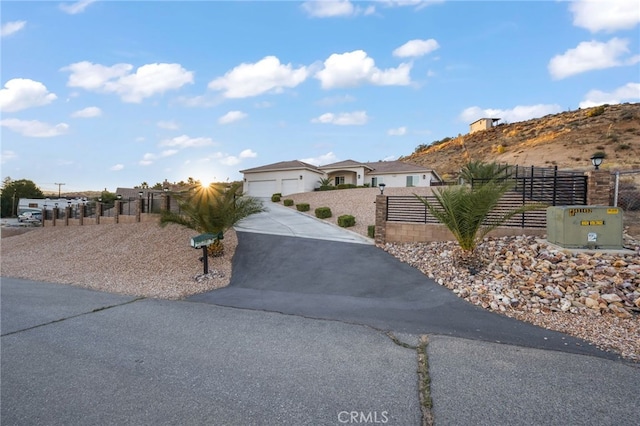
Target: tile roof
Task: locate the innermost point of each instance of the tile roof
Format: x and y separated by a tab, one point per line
346	163
283	165
395	167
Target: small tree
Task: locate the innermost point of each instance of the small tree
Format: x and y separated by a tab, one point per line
212	209
13	190
464	209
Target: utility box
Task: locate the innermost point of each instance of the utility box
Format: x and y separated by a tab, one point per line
590	227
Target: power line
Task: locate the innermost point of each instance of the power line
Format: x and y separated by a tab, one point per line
59	185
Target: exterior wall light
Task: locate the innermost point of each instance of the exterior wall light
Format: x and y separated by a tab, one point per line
596	160
381	186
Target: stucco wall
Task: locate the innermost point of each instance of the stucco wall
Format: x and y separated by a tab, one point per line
400	232
400	179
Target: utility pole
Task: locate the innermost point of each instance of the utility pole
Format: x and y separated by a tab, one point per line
59	185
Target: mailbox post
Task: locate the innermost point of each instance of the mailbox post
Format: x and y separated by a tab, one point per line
202	241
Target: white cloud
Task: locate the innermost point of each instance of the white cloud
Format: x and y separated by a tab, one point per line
519	113
148	80
12	27
168	125
630	92
248	153
354	68
87	112
168	152
231	116
356	118
327	9
185	141
77	7
147	159
327	158
334	8
116	167
609	15
232	160
23	93
266	75
400	131
6	156
591	55
34	128
414	48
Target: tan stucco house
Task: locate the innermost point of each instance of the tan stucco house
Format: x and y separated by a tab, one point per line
482	124
290	177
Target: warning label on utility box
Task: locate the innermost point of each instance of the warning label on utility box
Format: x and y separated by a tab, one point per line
592	222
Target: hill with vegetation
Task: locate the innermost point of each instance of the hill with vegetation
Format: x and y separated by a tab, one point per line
567	140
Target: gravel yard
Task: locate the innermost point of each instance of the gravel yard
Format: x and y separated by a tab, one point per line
592	296
139	259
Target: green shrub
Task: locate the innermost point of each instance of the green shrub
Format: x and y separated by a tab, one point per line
346	186
327	187
275	198
594	112
346	221
323	212
371	231
287	202
303	207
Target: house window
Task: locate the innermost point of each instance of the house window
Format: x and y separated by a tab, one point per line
339	180
374	182
412	180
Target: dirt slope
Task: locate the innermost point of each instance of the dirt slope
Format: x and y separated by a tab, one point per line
567	140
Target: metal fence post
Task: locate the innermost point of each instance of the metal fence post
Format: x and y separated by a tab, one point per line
615	189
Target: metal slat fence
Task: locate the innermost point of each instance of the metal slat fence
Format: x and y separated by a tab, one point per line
546	190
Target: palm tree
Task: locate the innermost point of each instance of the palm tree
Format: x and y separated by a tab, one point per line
484	172
212	209
465	210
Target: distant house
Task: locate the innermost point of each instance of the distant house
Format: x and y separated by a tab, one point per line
290	177
482	124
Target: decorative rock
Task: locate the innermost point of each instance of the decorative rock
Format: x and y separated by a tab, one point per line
611	298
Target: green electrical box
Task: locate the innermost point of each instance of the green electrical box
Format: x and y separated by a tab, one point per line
590	227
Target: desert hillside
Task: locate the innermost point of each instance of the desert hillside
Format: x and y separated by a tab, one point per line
567	140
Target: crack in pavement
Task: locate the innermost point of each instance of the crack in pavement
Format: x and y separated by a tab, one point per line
103	308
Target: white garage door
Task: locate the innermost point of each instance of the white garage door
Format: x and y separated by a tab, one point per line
290	186
262	188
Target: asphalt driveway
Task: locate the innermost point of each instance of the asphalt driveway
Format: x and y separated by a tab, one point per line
362	284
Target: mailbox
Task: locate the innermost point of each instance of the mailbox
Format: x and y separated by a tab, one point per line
591	227
204	240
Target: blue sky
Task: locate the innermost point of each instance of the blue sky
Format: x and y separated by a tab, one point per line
102	94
